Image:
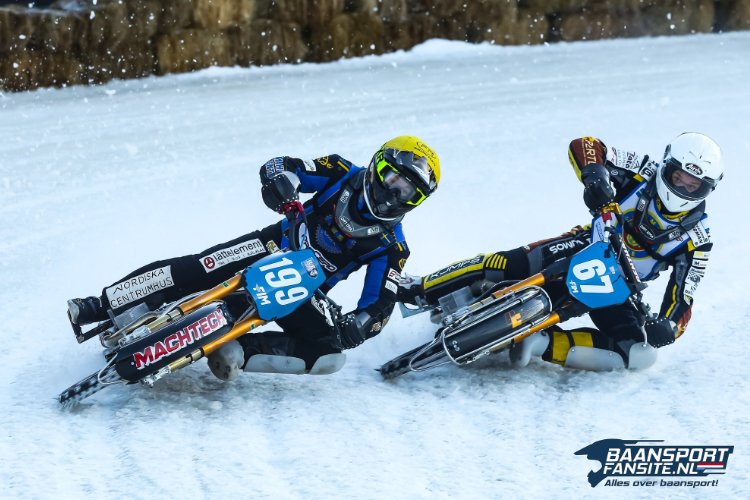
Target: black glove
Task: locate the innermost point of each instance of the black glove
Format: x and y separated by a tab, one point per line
280	190
660	332
350	335
598	192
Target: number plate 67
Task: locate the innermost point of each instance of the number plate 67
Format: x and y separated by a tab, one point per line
594	277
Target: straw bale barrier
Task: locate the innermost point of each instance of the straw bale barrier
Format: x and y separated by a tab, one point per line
93	41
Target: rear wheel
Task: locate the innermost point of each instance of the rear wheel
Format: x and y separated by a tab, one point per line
433	355
483	330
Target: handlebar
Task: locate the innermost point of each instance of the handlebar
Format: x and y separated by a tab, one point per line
290	211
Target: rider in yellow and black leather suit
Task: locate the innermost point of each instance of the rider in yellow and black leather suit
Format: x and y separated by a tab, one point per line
654	238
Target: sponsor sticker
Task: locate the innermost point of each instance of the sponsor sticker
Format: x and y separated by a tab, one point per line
322	308
232	254
693	169
648	170
261	295
309	166
455	267
324	263
345	196
274	167
394	275
137	287
345	223
310	268
390	285
566	245
373	230
179	340
699	235
272	247
612	155
688	466
628	160
589	153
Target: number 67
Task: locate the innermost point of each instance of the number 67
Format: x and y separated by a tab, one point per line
589	270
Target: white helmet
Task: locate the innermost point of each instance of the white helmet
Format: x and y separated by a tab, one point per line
693	165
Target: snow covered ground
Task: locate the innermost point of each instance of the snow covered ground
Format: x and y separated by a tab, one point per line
95	182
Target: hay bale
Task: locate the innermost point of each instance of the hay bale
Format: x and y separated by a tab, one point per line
192	50
587	25
59	31
285	11
532	27
129	60
360	6
176	15
398	36
349	35
739	15
393	10
703	16
215	14
265	42
678	17
16	28
109	26
322	12
57	69
440	9
22	70
246	11
144	17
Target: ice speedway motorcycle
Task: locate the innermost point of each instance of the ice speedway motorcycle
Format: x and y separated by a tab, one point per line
600	275
143	346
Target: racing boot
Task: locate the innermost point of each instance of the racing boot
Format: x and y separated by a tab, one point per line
85	311
410	290
533	345
226	362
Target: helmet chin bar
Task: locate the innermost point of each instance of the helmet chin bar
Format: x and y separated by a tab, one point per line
366	193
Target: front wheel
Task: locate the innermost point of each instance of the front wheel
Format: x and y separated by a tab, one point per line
88	386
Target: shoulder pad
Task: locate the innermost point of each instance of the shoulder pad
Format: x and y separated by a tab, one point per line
326	162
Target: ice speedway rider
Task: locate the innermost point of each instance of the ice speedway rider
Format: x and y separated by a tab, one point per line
354	220
664	206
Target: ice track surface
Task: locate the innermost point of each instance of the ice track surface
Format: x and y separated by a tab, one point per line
97	181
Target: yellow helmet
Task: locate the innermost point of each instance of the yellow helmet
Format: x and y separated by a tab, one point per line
420	150
402	174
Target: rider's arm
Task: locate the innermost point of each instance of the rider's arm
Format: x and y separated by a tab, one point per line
381	284
314	175
689	269
626	168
